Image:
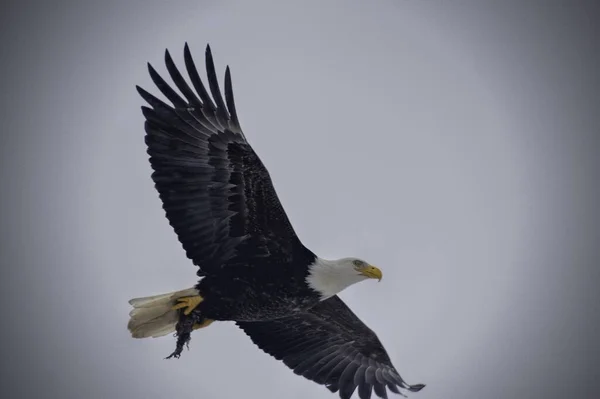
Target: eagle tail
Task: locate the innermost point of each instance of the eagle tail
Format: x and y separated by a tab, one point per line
154	316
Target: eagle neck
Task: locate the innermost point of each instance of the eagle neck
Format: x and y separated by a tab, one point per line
327	279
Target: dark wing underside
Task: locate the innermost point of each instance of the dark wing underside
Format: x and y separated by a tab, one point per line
331	346
216	193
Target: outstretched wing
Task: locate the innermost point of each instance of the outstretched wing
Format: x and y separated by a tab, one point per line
330	346
216	192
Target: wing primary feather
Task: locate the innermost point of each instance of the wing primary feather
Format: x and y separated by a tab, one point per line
379	376
213	83
380	390
359	380
165	88
180	81
365	390
392	387
152	100
414	388
346	381
399	381
231	101
370	375
190	65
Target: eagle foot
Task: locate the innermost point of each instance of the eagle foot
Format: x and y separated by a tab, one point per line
188	303
182	340
184	334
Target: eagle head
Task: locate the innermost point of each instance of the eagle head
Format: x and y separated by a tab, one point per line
329	277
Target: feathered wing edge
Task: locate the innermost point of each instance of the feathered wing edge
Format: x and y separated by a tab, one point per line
188	143
213	118
217	194
330	346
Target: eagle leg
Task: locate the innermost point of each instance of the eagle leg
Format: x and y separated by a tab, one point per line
188	303
184	329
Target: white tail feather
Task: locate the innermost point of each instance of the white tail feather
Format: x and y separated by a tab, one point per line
153	316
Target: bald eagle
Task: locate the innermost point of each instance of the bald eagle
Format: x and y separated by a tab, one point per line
253	268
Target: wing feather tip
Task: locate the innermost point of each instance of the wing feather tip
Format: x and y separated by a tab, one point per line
151	69
415	388
168	57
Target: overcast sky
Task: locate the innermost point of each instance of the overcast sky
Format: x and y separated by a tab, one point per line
454	146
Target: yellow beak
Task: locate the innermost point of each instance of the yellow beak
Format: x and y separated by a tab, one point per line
371	272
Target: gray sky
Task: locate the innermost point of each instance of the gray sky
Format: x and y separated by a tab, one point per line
455	146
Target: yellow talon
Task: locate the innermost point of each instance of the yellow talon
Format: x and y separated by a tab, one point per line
205	323
189	303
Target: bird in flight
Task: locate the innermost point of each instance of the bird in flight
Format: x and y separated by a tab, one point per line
253	269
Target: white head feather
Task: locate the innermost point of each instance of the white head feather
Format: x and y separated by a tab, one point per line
329	277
